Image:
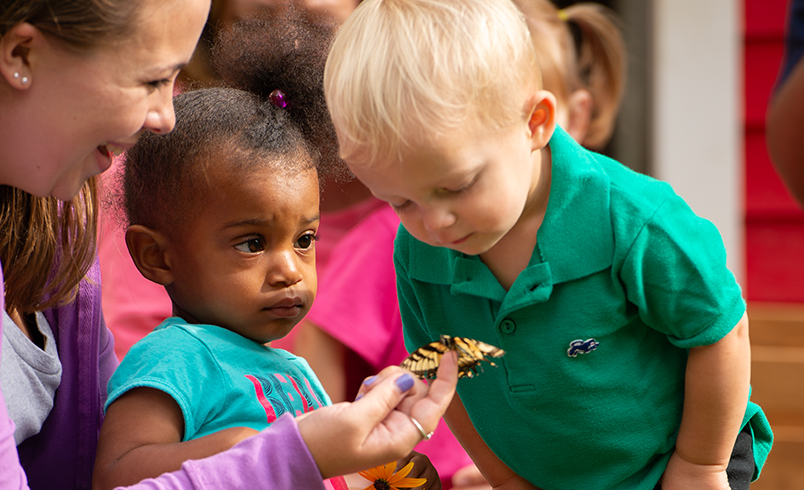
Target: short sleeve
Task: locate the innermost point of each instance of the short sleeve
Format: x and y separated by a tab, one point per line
675	273
175	362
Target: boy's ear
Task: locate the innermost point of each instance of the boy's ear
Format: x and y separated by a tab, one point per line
16	51
148	249
579	108
541	118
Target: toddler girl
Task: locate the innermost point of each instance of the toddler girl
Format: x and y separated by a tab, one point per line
627	356
223	212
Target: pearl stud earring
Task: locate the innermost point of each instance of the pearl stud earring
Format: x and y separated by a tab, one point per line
16	74
24	80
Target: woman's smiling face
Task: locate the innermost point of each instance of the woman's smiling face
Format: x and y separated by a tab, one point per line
81	106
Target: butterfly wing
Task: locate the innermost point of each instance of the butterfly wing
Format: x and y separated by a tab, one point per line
424	361
471	352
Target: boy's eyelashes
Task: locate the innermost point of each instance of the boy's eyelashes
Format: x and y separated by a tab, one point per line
442	191
400	207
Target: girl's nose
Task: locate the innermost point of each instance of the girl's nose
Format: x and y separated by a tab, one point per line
284	270
161	117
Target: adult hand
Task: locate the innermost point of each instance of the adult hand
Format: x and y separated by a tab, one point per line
377	427
681	474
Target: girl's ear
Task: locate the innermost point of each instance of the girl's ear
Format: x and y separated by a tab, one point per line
16	48
541	118
148	249
579	108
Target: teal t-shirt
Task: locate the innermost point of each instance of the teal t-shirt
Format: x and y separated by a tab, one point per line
219	379
624	279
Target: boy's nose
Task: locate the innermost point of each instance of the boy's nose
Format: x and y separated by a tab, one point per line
435	218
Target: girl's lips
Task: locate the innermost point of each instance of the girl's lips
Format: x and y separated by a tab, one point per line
285	311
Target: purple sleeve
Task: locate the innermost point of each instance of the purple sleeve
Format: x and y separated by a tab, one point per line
277	458
12	476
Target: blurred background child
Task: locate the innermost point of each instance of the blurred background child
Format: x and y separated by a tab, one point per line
354	328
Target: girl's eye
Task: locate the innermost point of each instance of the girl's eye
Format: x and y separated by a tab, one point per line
251	246
306	241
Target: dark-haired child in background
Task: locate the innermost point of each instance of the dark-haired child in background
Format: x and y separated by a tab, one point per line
224	213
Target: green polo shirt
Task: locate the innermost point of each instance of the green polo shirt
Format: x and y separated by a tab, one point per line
620	259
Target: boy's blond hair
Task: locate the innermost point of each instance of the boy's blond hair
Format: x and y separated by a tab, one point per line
402	72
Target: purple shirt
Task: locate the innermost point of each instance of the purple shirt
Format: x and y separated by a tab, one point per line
62	455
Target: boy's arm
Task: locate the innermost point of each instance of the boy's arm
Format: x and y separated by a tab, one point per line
715	397
497	473
141	438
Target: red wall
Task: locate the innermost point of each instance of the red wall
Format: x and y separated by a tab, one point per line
774	223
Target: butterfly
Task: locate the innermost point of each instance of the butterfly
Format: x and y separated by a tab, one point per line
424	361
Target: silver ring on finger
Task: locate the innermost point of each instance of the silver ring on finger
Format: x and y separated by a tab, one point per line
425	435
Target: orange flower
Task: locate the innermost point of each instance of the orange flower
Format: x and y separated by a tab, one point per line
384	478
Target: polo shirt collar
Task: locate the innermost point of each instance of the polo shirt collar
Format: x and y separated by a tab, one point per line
574	240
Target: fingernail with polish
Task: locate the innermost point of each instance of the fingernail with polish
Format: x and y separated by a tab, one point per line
370	380
404	382
359	397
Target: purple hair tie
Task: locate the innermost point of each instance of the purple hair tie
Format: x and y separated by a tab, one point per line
277	98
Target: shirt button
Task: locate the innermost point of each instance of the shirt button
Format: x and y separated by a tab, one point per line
508	326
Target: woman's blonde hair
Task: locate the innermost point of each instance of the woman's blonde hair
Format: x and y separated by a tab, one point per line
593	59
401	71
46	246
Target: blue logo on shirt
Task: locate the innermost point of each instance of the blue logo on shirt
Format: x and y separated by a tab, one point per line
582	347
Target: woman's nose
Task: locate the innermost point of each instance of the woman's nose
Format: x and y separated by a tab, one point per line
161	117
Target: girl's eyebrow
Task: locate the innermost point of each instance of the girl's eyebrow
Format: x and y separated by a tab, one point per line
265	222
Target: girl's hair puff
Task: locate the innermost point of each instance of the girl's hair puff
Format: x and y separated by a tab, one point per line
401	71
219	133
286	52
581	47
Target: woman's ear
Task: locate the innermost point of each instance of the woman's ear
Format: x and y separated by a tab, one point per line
579	114
149	251
541	118
16	48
